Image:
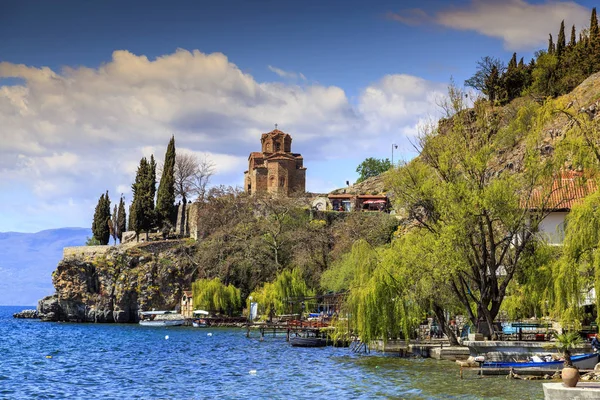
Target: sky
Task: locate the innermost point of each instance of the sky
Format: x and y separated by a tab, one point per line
88	88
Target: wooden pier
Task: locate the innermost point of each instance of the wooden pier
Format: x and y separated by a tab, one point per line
287	328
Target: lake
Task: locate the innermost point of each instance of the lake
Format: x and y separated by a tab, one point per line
115	361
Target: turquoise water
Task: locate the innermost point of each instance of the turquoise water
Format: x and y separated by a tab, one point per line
112	361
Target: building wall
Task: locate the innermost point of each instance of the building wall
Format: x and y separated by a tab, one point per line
552	228
282	174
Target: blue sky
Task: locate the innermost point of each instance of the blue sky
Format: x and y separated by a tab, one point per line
87	88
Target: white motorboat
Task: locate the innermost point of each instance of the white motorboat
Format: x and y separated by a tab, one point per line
161	318
199	321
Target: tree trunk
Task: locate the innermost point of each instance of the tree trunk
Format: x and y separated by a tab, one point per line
439	314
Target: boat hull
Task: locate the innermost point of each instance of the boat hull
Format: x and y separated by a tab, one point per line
199	324
175	322
308	342
582	361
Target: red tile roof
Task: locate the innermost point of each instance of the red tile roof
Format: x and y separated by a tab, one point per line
567	191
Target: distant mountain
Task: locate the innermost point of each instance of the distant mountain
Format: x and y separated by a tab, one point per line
28	259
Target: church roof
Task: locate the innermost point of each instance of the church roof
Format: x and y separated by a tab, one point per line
275	132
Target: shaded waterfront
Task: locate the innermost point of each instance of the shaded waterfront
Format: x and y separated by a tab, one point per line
129	361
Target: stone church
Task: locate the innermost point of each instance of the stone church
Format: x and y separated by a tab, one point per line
276	169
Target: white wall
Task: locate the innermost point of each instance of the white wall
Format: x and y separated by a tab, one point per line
552	228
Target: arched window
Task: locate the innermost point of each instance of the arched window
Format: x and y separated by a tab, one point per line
277	147
281	182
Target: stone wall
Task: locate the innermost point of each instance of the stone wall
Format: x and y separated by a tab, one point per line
193	227
85	251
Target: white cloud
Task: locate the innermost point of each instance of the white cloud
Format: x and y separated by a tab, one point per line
520	24
73	134
286	74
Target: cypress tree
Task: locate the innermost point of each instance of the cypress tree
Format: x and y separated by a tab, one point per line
121	218
594	44
521	63
550	45
113	225
573	40
165	198
593	25
561	43
152	179
100	228
138	210
513	62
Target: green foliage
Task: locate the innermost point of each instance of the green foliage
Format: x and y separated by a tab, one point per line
141	211
372	167
381	295
578	269
565	342
282	296
165	199
121	218
91	241
554	71
213	295
454	192
100	224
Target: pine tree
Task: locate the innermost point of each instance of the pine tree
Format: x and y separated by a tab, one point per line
561	43
165	198
521	63
100	226
551	48
573	40
121	218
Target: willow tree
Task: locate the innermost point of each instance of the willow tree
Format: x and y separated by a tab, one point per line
382	299
215	296
577	271
483	214
284	295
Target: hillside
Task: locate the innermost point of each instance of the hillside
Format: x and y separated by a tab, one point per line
28	260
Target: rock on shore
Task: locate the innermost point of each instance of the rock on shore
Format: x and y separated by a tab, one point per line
26	314
115	285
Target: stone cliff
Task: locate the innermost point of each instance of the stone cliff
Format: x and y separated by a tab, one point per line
113	285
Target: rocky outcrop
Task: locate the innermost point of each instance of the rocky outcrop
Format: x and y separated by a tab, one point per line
114	286
26	314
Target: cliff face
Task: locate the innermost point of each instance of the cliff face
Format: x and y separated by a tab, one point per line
114	285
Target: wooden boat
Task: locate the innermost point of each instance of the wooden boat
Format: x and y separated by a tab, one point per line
161	318
581	361
310	341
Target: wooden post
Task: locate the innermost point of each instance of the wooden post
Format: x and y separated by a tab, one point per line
248	329
287	336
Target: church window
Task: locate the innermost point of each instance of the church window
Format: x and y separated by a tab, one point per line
277	146
281	182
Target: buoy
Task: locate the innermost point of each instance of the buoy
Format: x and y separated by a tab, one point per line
209	334
48	356
252	372
167	337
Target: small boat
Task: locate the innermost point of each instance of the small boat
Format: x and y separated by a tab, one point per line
299	341
198	321
581	361
161	318
309	338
